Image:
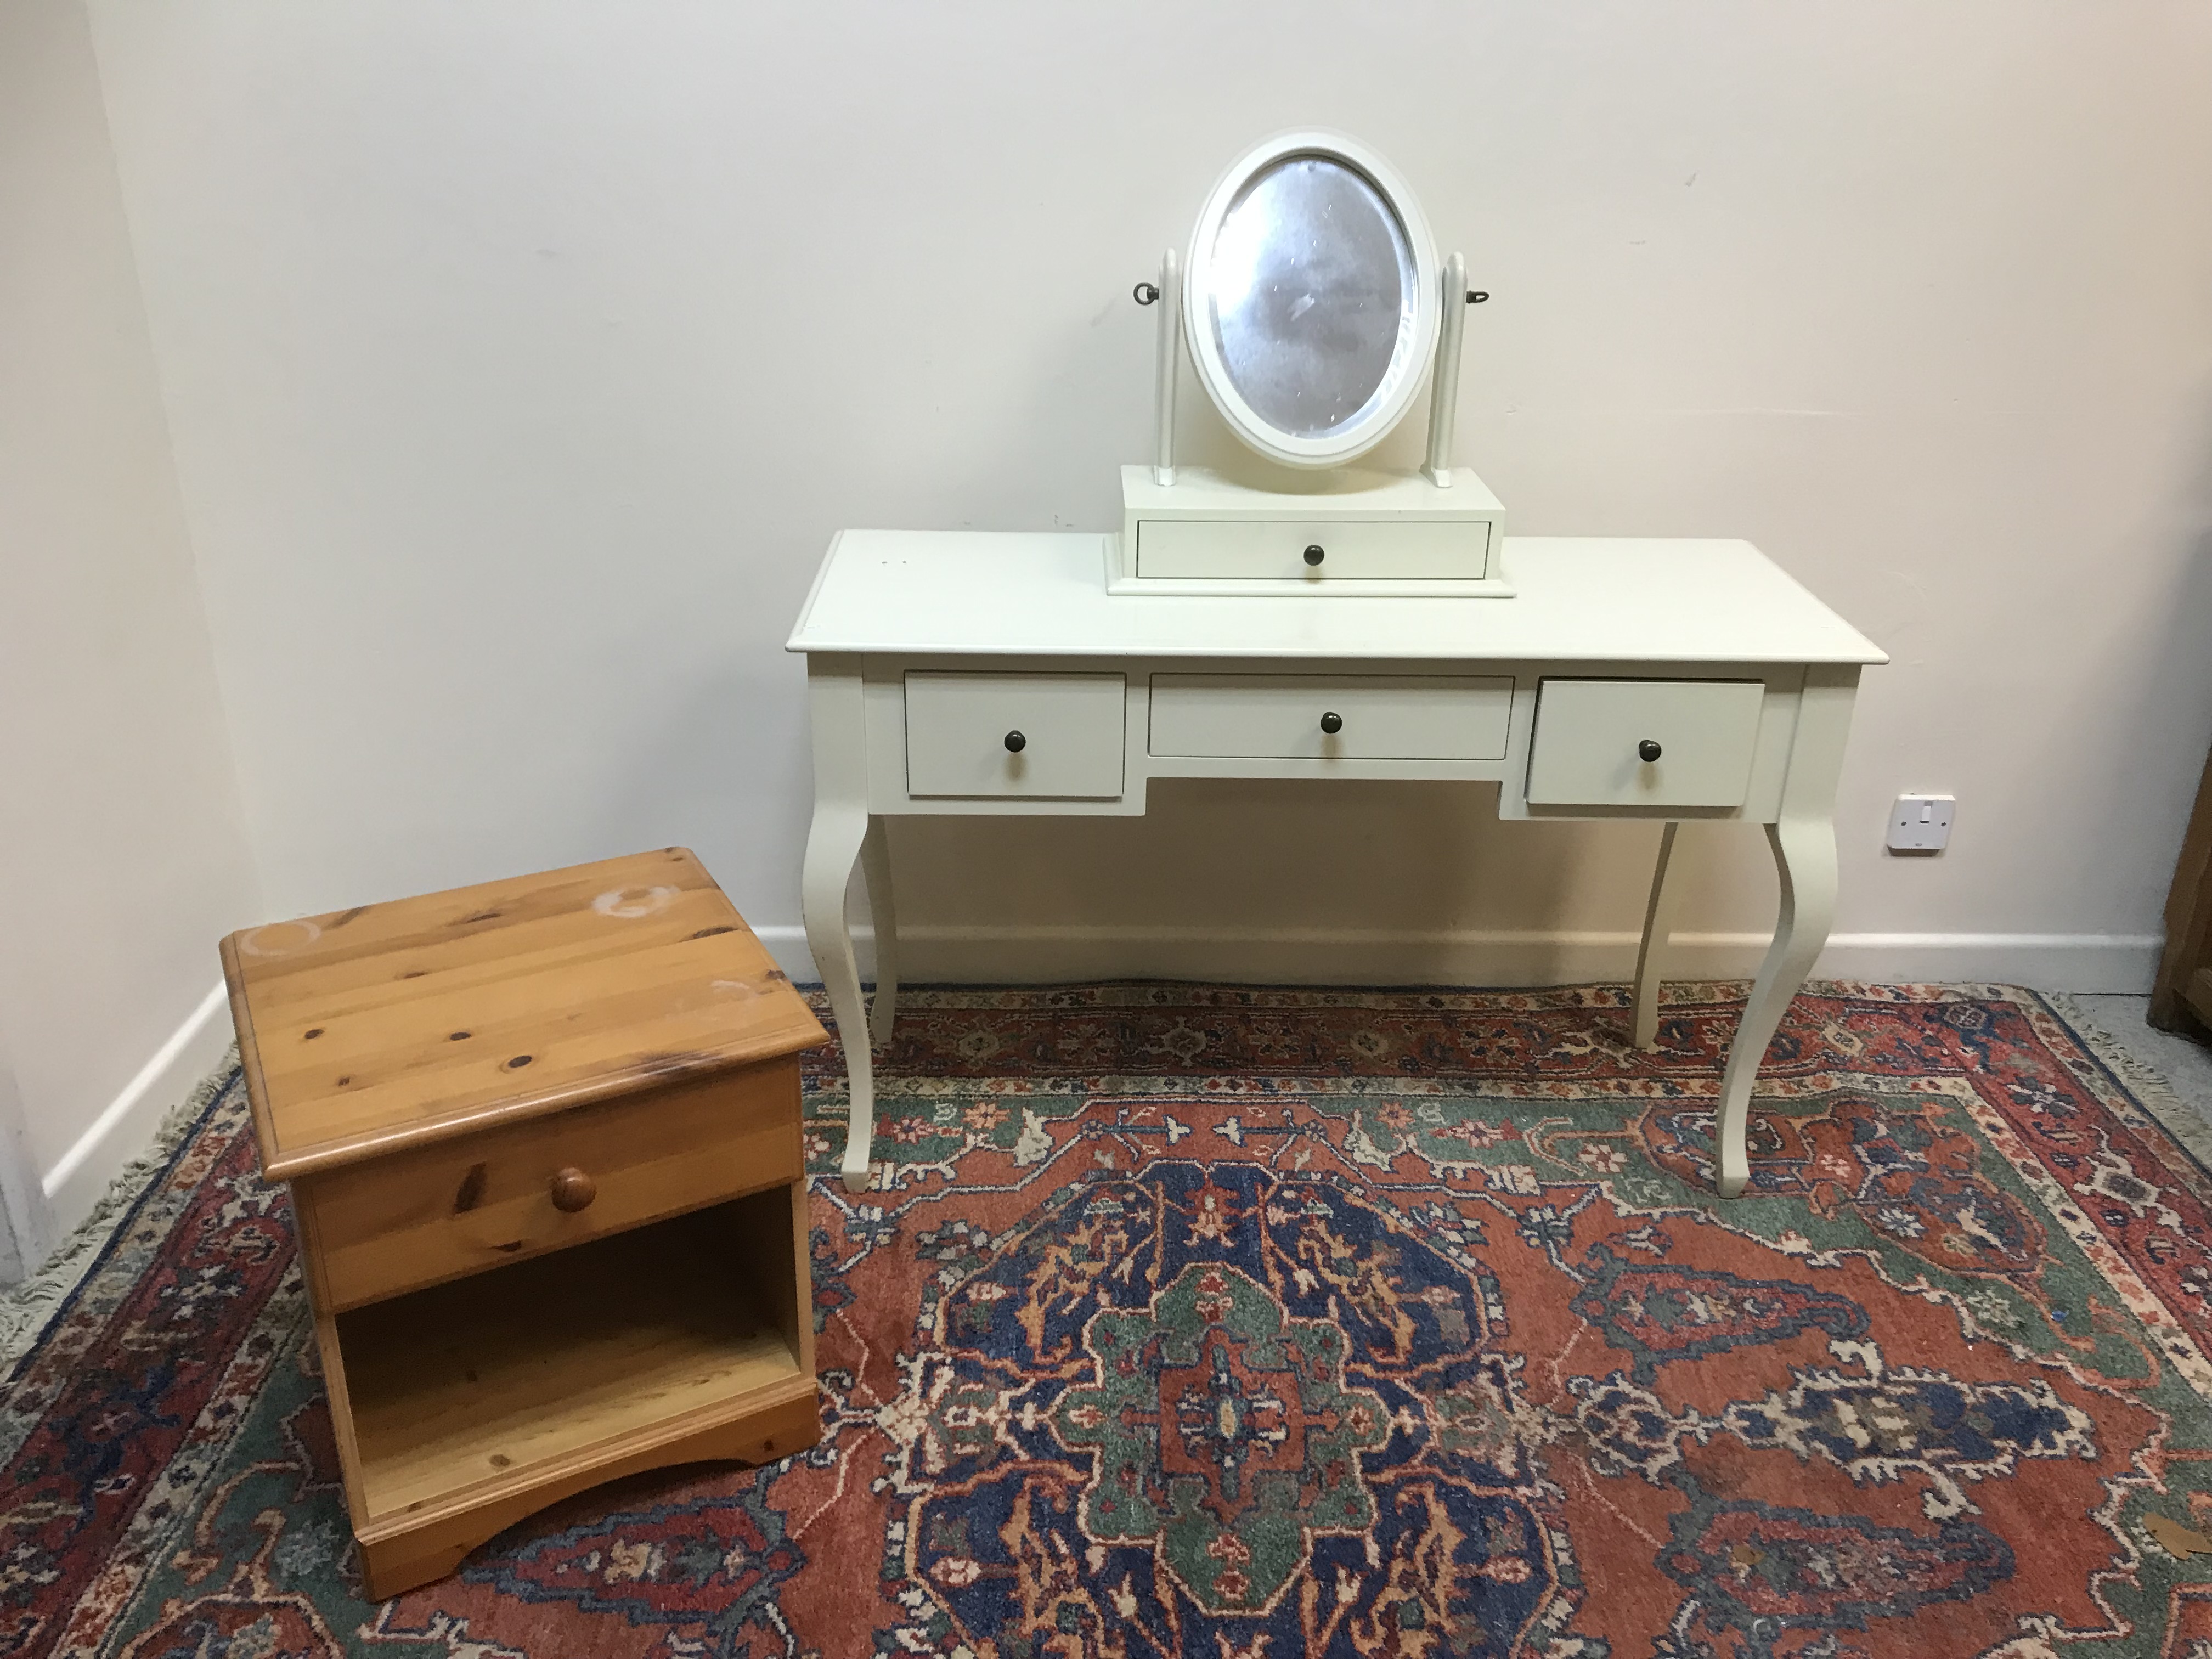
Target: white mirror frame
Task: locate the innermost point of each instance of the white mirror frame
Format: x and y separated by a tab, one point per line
1407	363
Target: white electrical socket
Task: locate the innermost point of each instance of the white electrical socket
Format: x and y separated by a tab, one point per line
1921	824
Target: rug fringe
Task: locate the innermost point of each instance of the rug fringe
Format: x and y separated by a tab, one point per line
26	1308
2144	1081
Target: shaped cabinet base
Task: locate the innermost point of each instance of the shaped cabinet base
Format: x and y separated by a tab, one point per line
462	1408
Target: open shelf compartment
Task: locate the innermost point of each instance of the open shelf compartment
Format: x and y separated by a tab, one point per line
536	1371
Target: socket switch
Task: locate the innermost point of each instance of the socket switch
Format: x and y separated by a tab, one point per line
1921	824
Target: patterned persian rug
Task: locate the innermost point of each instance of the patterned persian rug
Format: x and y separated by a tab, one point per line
1256	1324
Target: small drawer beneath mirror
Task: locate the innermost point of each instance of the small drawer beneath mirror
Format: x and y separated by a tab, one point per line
1043	736
1644	742
1339	549
1331	717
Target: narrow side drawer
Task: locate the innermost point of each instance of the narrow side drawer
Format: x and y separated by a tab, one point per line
436	1212
1586	747
1366	550
1051	736
1379	717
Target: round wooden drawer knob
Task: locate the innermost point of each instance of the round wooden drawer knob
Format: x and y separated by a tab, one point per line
573	1190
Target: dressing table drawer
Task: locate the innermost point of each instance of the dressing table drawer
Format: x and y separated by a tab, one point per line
1291	716
1643	743
1362	549
1043	736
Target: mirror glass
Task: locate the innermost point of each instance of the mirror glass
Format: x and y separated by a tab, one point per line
1310	294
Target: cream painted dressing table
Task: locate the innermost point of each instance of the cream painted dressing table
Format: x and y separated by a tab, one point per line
928	653
1302	618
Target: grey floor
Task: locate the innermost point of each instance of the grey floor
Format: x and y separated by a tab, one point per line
2184	1064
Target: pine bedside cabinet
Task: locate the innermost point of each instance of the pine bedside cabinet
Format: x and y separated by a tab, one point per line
544	1147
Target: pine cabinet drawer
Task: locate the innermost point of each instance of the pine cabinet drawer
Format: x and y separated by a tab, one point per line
1045	736
418	1217
1366	549
1643	743
1289	716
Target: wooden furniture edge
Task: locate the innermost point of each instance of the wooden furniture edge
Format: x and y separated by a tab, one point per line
2197	993
802	1256
335	1387
332	1155
249	1055
2188	920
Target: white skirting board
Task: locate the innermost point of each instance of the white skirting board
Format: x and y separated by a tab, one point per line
127	1127
1298	956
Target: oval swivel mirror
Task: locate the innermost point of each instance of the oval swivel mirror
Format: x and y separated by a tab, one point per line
1311	298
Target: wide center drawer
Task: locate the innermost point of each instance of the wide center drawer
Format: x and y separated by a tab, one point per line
1331	717
1380	549
1643	743
435	1212
1052	736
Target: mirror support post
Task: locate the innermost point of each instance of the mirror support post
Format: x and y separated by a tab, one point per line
1443	386
1164	392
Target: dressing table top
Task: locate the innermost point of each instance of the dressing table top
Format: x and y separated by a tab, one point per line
1580	599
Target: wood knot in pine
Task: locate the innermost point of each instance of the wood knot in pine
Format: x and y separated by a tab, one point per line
471	1192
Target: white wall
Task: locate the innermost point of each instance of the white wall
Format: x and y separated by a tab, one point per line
123	848
523	357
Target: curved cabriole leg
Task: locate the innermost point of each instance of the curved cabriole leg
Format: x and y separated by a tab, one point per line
882	917
1805	857
1658	928
832	845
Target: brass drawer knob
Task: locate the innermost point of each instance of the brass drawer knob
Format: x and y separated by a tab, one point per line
573	1190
